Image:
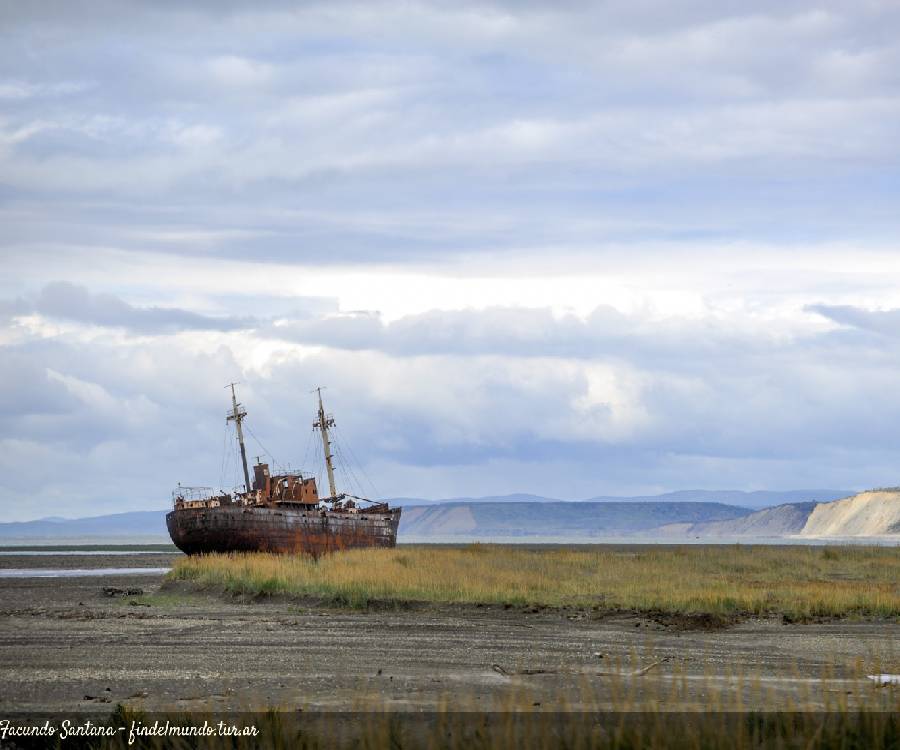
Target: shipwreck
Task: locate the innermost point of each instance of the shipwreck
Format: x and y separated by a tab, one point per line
279	512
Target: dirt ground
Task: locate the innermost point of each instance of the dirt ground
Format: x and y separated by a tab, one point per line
67	646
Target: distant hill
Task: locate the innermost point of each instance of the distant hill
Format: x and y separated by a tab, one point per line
757	499
754	500
782	520
872	513
581	519
146	524
515	498
875	513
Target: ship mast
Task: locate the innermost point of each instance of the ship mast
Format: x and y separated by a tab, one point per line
322	424
238	413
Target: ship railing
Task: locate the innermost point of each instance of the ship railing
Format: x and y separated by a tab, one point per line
288	471
183	492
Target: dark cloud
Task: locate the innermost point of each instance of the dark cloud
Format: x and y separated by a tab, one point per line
885	322
28	389
67	301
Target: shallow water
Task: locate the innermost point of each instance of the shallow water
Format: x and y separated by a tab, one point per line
79	552
78	572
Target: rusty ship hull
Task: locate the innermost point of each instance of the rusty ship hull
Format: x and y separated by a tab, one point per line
265	529
278	512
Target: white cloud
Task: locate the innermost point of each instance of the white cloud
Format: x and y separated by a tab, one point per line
11	89
239	72
137	412
194	136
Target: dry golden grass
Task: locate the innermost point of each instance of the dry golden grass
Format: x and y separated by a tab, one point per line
519	725
666	719
798	581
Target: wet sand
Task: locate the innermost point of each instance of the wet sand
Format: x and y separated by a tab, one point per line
66	646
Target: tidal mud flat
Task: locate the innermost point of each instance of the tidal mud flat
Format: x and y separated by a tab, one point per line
71	645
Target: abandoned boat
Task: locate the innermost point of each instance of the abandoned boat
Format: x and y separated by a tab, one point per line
279	512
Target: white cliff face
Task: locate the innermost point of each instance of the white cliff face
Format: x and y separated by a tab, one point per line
781	520
874	513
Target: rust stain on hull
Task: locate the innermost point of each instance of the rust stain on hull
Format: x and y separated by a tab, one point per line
271	529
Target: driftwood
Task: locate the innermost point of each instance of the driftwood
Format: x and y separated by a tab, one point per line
633	673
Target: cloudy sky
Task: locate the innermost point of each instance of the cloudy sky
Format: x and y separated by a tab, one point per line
563	248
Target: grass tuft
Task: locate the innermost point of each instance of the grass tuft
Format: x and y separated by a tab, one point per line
799	582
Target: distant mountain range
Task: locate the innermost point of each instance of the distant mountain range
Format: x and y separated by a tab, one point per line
754	500
557	519
146	525
687	514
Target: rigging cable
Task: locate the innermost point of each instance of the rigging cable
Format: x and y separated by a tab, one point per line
224	454
274	462
347	469
309	438
359	464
